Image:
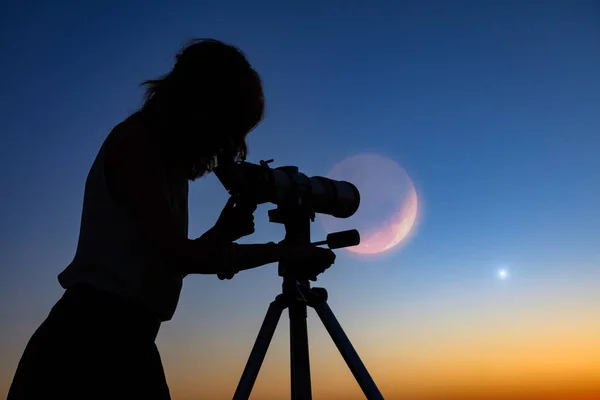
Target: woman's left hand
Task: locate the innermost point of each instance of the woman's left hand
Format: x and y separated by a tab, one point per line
236	221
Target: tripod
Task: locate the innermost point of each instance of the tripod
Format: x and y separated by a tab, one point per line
296	296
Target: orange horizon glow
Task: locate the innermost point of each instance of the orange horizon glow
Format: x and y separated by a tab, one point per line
434	361
519	347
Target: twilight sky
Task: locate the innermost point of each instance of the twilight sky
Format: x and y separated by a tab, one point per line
492	108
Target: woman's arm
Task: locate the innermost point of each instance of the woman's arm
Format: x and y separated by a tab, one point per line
132	168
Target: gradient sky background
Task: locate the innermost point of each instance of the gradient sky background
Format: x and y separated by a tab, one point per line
492	107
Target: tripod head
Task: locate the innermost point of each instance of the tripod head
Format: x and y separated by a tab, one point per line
296	220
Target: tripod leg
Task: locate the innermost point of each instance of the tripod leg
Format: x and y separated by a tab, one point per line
350	355
299	354
259	350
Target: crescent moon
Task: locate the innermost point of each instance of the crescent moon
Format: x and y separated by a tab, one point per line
389	203
394	232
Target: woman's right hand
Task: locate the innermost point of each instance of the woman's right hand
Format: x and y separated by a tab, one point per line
307	260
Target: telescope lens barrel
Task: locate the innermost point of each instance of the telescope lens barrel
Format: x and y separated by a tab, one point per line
286	185
339	199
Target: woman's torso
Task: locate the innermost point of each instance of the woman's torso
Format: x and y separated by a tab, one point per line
113	253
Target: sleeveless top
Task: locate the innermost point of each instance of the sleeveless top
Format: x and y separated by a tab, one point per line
115	255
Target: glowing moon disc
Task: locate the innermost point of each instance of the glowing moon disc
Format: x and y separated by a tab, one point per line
388	205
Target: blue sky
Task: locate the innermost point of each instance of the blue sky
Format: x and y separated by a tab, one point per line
491	107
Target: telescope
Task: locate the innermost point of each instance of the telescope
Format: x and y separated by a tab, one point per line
286	186
298	198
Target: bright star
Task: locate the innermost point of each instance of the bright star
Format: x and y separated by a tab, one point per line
503	274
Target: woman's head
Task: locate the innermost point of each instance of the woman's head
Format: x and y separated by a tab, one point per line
211	99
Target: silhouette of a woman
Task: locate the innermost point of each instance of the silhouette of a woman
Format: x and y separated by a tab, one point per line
133	251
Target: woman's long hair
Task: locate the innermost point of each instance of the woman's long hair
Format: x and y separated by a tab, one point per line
210	99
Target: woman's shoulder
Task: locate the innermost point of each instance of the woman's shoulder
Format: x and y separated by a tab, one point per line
131	125
130	134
